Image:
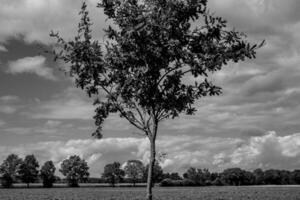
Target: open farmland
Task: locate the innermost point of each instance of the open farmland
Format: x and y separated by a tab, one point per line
203	193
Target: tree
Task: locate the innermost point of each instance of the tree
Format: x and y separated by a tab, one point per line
48	174
75	169
198	176
153	46
157	174
113	173
233	176
28	170
296	176
134	170
259	176
172	176
9	170
272	176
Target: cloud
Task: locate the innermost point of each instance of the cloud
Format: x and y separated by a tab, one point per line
34	19
7	109
70	104
52	123
8	104
9	98
2	122
265	151
33	65
3	48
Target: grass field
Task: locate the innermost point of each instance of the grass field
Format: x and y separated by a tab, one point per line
195	193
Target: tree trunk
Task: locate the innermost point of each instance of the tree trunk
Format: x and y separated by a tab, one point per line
152	162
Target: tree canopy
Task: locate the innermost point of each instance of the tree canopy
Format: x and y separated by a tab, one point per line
75	169
157	60
48	174
28	170
9	170
113	173
134	170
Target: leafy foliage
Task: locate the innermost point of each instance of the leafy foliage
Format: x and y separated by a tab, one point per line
150	49
158	58
157	175
28	170
9	170
134	170
113	173
198	176
48	174
75	169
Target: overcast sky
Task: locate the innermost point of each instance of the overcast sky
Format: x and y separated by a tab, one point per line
254	123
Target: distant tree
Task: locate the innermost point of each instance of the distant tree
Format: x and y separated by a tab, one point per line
233	176
158	173
113	173
248	178
28	170
198	176
48	174
9	170
272	176
75	169
259	176
172	176
295	176
134	170
285	177
153	46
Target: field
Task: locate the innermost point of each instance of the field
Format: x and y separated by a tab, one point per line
195	193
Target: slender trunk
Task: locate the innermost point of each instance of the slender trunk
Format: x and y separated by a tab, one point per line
152	162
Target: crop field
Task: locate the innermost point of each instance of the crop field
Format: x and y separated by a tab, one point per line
194	193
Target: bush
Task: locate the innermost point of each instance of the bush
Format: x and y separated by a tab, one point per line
218	182
6	181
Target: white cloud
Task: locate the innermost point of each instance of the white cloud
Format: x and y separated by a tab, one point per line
7	109
3	48
34	19
70	104
53	123
34	65
215	153
9	98
2	122
7	104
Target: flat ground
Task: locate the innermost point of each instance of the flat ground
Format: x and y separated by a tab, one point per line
173	193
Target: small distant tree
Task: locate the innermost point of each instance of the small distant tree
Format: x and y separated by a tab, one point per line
258	176
198	176
172	176
233	176
154	47
295	176
272	176
48	174
113	173
28	170
75	169
158	173
134	170
9	170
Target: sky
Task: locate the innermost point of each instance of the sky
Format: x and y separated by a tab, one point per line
254	123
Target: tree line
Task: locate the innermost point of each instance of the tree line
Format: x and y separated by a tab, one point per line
15	169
